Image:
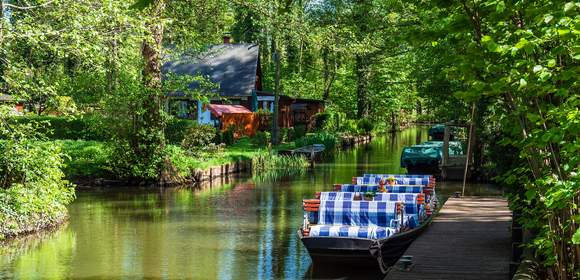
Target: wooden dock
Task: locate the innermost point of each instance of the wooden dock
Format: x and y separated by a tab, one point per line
469	239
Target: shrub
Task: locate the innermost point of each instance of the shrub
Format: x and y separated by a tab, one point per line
350	127
199	139
286	134
365	126
33	191
321	120
87	127
299	131
262	138
86	158
227	137
329	140
177	128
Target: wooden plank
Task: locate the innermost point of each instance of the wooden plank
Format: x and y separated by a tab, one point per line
469	239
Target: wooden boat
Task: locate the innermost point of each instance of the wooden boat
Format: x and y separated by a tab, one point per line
339	234
383	253
310	151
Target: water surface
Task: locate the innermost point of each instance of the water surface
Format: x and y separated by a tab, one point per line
242	229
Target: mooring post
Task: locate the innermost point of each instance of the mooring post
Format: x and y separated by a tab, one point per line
445	152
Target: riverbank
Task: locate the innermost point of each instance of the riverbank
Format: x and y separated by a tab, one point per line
88	161
24	225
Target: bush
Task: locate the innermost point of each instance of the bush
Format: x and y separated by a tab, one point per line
286	134
262	138
299	131
365	126
33	191
227	137
177	128
350	127
329	140
88	127
199	139
86	158
321	120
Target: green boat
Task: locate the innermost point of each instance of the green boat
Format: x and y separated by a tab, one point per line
426	158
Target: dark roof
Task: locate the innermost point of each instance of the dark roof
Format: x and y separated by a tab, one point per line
232	66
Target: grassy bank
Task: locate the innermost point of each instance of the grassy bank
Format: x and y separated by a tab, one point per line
33	190
91	159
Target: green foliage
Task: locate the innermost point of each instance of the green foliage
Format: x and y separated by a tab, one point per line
365	126
177	128
350	127
299	131
198	140
33	191
86	159
88	127
329	140
261	139
266	165
321	120
227	136
286	134
517	64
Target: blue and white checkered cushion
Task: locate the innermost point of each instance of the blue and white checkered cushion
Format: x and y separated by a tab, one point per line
410	199
397	176
371	232
358	188
357	213
404	197
374	188
405	189
398	181
337	195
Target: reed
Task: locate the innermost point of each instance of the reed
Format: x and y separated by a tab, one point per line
267	165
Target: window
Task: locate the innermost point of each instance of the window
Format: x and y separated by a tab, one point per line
183	109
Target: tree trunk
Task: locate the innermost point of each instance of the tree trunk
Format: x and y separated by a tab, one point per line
275	116
150	137
362	73
2	63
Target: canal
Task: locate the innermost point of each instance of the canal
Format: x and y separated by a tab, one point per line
242	229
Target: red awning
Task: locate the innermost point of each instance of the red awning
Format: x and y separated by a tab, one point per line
218	109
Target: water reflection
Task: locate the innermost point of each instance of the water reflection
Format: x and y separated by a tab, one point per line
240	230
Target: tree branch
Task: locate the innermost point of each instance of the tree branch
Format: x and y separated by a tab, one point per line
27	7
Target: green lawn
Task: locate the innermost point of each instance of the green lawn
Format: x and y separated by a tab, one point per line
90	158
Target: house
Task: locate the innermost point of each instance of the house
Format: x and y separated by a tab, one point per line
235	70
291	111
8	99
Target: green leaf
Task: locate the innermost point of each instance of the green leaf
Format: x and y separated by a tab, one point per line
548	18
523	83
576	237
568	6
500	6
141	4
551	63
530	194
537	68
563	32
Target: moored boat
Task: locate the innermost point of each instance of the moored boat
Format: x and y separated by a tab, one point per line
367	224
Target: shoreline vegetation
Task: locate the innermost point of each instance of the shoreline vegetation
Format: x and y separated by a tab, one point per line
43	155
90	152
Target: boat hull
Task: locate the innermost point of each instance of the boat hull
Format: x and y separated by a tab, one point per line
361	251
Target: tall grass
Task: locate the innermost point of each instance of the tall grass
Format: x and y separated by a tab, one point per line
271	166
